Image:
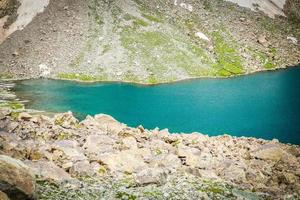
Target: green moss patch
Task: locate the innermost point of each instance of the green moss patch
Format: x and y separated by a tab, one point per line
81	77
228	60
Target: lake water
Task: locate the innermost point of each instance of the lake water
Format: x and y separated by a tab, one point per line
263	105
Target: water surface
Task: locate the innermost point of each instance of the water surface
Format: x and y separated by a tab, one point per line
263	105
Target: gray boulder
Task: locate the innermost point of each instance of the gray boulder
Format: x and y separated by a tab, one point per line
16	179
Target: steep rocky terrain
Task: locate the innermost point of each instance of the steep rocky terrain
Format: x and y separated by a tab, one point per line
102	158
150	41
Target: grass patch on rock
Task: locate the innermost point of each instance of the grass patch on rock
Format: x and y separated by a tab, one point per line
81	77
228	60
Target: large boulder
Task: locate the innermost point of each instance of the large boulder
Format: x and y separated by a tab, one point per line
98	144
67	150
16	179
151	176
66	120
193	157
109	124
272	152
50	172
3	196
129	161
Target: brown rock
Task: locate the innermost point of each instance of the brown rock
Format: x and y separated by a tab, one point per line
17	181
3	196
49	171
262	40
151	176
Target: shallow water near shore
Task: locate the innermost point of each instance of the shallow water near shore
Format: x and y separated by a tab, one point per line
263	105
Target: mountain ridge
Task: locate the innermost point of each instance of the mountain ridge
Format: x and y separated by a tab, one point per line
148	42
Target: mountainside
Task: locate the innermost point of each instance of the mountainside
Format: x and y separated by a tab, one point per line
148	41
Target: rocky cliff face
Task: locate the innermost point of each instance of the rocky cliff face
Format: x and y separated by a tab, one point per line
148	41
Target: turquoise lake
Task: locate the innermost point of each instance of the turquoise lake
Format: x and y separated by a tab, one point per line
263	105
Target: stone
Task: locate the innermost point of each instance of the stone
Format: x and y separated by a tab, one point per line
293	40
24	116
67	166
288	178
151	176
109	124
242	19
41	119
17	180
66	120
269	152
44	70
202	36
12	126
262	40
125	161
129	142
49	171
4	112
208	174
191	156
234	173
81	168
96	144
3	196
72	154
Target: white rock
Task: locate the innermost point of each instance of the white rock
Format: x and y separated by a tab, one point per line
292	39
44	70
202	36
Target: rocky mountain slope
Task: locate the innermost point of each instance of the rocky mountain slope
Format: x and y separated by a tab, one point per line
149	41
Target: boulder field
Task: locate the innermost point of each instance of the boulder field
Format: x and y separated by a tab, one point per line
100	157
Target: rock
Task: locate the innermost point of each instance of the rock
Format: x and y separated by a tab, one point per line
269	152
242	19
15	53
96	144
141	128
109	124
3	196
49	171
12	126
126	161
17	181
194	158
234	173
66	120
129	142
202	36
168	161
262	40
288	178
44	70
24	116
151	176
4	112
292	40
69	153
209	174
42	120
81	168
67	166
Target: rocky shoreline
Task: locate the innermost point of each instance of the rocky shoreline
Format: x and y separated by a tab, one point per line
100	152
